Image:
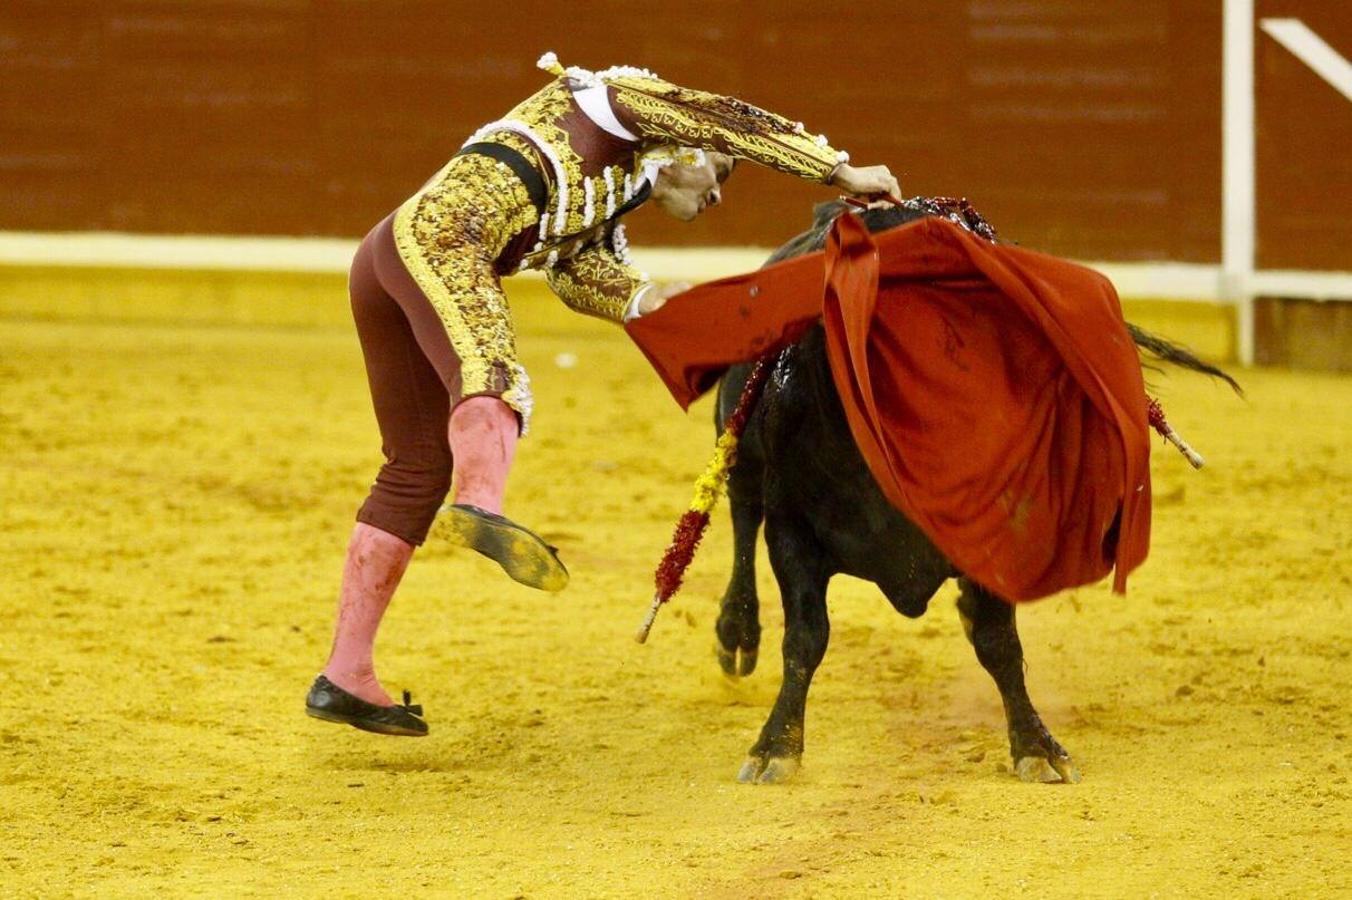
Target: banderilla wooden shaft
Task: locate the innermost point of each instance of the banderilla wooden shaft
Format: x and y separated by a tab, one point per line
647	625
1193	456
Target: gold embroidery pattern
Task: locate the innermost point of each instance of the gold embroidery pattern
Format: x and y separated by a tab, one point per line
725	124
542	112
448	235
595	282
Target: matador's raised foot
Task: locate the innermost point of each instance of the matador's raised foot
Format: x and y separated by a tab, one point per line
522	553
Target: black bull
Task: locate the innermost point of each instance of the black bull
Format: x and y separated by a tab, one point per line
799	472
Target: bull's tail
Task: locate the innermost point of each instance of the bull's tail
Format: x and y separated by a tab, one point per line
1169	352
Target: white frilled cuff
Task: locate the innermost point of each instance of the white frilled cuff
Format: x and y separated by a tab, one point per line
632	312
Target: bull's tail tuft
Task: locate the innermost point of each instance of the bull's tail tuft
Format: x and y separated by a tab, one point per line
1170	352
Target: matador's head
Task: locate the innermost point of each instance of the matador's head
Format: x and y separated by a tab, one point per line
686	189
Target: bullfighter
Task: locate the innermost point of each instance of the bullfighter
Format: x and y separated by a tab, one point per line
543	188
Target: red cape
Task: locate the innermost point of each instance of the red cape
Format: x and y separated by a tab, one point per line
994	392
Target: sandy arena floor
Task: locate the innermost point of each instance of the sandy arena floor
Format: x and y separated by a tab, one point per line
176	503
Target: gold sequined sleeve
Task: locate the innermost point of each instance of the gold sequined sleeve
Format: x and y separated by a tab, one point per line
658	109
596	282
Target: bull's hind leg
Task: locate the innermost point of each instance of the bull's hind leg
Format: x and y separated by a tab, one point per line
801	569
989	623
738	627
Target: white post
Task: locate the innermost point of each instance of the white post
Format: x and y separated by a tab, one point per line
1238	194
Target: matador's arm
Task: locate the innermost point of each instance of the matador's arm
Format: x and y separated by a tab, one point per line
658	109
598	283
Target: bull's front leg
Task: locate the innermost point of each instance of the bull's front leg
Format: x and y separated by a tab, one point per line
738	626
989	623
800	567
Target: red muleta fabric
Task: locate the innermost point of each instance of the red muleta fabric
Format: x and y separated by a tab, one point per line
994	392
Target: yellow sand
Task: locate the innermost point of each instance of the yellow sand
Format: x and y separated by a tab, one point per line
176	502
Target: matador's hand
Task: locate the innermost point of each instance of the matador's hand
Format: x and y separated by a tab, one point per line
866	181
655	297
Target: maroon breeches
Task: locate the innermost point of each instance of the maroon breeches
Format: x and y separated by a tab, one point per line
413	373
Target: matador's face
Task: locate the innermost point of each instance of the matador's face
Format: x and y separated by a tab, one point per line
685	191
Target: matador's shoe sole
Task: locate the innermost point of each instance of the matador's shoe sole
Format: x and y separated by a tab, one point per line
331	703
522	553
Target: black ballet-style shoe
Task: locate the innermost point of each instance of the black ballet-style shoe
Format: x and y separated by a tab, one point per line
331	703
522	553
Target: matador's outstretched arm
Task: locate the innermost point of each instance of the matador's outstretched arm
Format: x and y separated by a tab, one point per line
658	109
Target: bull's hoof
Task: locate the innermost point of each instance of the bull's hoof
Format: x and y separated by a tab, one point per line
737	662
1047	770
768	769
737	633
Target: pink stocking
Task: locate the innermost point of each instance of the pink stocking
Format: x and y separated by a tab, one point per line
483	435
376	561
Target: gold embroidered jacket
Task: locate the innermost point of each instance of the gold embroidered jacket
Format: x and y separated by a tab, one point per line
597	139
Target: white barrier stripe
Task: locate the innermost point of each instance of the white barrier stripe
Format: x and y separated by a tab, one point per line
1313	50
1301	285
1181	281
256	254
